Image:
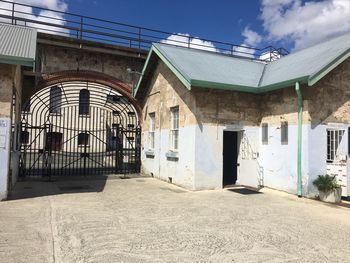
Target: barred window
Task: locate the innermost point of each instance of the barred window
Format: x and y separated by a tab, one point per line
174	129
334	138
284	132
83	139
152	127
265	133
84	102
54	141
55	99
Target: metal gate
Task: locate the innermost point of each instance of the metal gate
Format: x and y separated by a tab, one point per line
79	128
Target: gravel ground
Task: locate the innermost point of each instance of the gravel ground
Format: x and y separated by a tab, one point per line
146	220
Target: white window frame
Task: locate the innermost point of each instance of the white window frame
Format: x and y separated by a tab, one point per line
151	131
174	129
334	138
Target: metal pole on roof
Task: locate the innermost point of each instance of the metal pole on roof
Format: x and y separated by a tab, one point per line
300	123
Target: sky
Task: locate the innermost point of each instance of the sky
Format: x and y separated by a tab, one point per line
292	24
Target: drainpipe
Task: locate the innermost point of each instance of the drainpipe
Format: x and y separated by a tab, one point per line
300	123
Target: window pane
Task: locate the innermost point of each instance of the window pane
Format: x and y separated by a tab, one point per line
55	99
284	132
84	101
83	139
53	141
265	133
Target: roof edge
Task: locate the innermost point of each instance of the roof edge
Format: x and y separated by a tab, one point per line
223	86
319	74
28	62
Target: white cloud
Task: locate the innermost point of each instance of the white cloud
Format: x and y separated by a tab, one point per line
195	42
305	24
51	17
251	39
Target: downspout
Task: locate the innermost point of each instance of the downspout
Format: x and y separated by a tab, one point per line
300	123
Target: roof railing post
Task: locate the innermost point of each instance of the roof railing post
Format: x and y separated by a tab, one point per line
139	39
13	13
81	28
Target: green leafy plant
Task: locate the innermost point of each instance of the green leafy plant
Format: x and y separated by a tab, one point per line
326	183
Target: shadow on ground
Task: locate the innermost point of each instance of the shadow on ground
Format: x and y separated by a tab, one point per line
30	188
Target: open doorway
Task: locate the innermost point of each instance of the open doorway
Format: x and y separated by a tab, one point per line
230	157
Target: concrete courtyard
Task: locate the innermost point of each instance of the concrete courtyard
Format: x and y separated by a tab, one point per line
146	220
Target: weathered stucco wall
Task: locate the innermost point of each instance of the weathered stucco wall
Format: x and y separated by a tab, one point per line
165	92
224	107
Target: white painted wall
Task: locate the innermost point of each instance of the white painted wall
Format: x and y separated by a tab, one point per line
181	170
200	164
279	161
318	154
209	158
5	129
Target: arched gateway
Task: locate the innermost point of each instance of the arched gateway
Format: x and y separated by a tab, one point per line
79	126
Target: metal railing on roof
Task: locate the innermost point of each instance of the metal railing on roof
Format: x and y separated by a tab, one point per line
110	32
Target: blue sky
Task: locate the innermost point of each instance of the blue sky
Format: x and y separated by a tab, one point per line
219	20
293	24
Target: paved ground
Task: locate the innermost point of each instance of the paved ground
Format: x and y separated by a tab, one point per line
146	220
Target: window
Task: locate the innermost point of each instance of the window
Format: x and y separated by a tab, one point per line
152	127
284	132
265	133
55	100
53	141
334	138
174	129
24	137
84	102
83	139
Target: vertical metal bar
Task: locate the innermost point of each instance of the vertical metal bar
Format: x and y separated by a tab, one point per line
139	39
13	13
81	28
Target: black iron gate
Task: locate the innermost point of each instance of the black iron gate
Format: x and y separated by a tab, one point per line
79	128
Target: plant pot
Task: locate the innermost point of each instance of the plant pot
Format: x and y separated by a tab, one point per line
333	196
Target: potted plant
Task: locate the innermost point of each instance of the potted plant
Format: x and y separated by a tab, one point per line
329	189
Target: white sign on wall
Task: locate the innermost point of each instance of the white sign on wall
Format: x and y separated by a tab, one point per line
2	141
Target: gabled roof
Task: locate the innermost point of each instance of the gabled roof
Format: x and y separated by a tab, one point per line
17	45
199	68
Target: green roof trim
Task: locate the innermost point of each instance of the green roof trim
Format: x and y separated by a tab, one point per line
172	66
17	61
203	69
328	68
224	86
184	79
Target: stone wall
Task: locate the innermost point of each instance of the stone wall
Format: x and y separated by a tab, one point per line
6	89
167	91
57	58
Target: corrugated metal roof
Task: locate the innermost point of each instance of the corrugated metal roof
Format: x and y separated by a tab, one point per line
211	70
207	66
17	45
306	62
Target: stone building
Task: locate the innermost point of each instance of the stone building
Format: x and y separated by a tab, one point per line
211	120
13	59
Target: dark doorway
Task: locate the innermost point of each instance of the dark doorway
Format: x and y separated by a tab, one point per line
230	155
